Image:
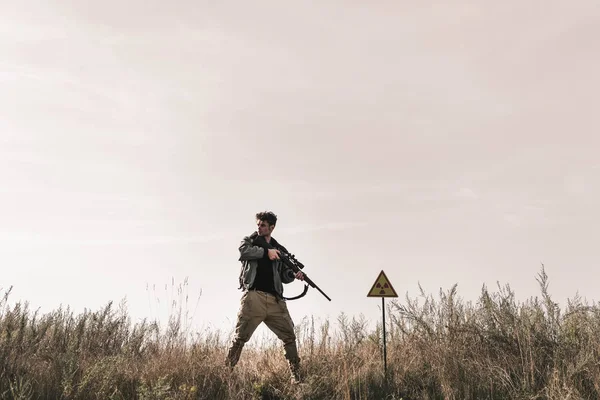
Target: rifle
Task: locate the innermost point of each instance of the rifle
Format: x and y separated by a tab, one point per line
292	263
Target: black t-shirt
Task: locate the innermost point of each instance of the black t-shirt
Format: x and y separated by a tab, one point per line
264	275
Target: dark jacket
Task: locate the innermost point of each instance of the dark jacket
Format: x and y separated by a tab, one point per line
250	253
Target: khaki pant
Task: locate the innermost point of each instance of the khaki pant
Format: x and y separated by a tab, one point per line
257	307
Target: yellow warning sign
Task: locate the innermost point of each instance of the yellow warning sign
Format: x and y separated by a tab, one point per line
382	287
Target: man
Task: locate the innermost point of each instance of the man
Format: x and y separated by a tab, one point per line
262	277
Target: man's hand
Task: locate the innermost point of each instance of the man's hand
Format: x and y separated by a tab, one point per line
273	254
299	275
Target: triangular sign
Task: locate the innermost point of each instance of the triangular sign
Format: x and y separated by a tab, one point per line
382	287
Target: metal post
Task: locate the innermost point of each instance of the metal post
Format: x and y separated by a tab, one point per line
384	346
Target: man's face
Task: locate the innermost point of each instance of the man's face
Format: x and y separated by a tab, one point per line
264	228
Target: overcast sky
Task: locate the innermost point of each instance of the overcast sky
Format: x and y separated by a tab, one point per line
449	142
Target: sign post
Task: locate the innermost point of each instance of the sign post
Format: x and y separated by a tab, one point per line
383	288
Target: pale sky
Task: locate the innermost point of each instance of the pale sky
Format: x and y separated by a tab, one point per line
449	142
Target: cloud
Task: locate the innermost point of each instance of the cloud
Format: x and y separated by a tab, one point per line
29	239
411	188
329	226
466	193
512	219
577	185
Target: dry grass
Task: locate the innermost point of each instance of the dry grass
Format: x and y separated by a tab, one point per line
442	348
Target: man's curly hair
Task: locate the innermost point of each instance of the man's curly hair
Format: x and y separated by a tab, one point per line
267	216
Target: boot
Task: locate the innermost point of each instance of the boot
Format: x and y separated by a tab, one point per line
295	372
233	355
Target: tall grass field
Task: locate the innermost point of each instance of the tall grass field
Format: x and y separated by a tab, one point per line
438	347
